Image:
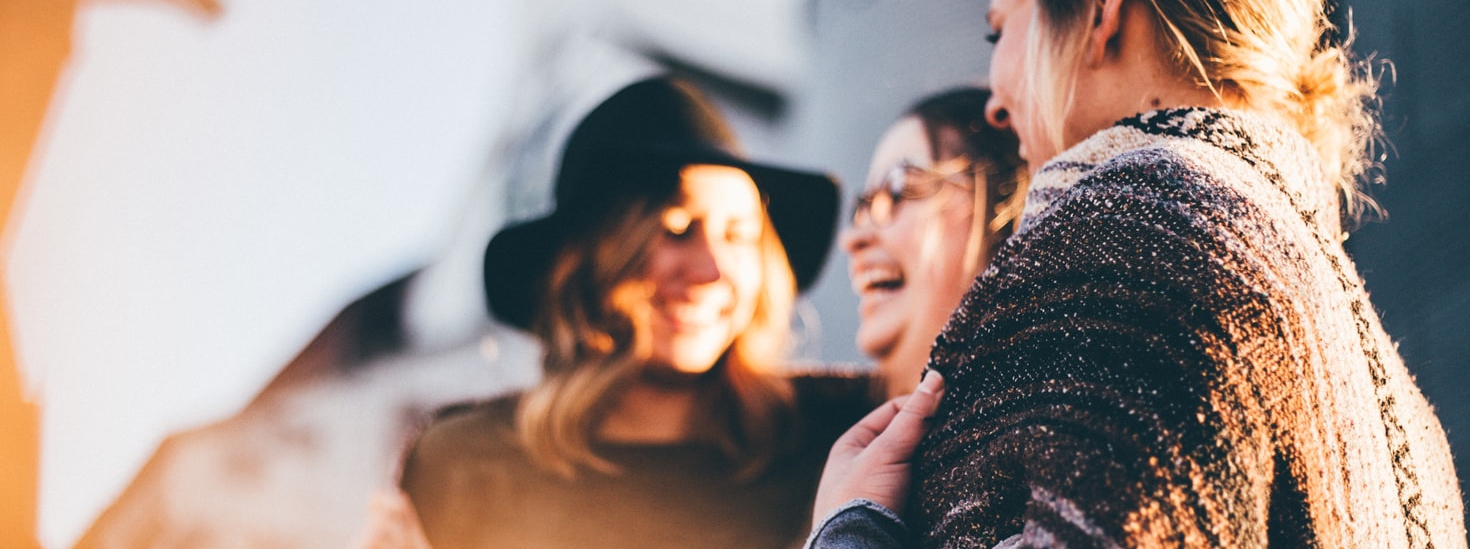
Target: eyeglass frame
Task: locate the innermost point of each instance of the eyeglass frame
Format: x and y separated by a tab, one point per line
895	187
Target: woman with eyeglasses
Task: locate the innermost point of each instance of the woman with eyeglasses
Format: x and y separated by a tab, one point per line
944	190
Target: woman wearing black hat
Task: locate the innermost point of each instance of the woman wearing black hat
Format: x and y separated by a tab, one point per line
661	287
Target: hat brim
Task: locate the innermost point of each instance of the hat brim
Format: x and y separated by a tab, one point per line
803	207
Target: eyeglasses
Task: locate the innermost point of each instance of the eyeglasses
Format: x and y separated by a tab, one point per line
879	203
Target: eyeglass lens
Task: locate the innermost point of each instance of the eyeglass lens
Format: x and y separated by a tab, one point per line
880	202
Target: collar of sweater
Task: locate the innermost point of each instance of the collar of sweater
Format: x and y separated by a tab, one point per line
1238	139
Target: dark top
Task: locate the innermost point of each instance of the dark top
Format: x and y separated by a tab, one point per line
474	486
1175	351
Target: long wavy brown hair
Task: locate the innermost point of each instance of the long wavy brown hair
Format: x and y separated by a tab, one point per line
595	329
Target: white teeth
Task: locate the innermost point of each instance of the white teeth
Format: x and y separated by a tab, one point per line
869	277
694	313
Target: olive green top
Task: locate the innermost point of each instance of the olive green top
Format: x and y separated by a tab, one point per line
474	486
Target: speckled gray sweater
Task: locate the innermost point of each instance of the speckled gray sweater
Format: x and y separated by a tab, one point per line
1175	351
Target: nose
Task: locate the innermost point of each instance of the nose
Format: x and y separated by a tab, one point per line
856	237
996	114
703	261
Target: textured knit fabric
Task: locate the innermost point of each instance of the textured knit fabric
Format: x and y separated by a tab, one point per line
860	524
1175	351
474	487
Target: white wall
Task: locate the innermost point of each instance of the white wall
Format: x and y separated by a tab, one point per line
211	192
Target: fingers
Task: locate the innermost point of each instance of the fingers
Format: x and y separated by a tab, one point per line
897	442
861	434
871	460
924	402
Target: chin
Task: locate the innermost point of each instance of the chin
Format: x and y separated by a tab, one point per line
691	361
695	367
875	346
685	364
901	374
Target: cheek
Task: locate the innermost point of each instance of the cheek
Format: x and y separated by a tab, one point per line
1005	76
904	238
745	277
999	62
657	265
949	269
998	83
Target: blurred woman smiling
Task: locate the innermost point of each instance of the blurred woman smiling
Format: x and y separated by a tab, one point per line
661	287
944	191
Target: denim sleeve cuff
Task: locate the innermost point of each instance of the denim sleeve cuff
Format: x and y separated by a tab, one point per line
859	524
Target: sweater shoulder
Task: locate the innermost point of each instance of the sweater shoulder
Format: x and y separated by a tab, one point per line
1173	194
1178	172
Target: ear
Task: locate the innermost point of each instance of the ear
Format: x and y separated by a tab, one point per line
1106	25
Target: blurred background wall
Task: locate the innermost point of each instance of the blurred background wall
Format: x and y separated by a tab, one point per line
225	201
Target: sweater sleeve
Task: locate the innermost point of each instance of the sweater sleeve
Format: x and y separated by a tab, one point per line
1094	395
860	524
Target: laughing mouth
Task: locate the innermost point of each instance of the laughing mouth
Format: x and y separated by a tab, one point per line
877	279
691	315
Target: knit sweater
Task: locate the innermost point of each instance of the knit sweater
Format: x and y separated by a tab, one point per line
1175	351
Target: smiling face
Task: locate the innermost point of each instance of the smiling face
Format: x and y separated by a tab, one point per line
704	268
910	274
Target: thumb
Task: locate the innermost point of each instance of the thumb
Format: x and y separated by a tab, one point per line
898	441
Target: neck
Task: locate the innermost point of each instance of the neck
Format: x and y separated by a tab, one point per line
1132	76
904	363
653	410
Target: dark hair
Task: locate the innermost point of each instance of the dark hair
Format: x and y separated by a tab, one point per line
998	162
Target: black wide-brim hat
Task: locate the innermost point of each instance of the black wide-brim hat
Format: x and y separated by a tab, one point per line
631	147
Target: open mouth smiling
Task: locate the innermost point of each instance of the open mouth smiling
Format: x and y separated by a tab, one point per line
877	279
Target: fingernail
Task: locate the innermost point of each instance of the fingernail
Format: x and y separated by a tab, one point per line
931	380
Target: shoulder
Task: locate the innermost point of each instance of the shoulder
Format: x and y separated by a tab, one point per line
1172	173
464	467
463	433
1174	197
1210	174
1122	169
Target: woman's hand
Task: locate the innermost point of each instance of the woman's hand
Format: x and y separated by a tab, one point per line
871	460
